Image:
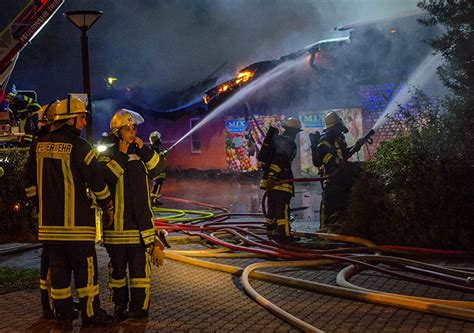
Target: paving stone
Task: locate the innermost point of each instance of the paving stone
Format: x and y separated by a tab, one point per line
185	298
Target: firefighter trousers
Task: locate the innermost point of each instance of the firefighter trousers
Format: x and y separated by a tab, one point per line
45	280
137	261
79	258
278	216
157	190
336	193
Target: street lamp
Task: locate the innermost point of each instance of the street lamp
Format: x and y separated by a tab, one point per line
84	19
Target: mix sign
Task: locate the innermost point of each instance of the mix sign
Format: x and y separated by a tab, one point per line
236	125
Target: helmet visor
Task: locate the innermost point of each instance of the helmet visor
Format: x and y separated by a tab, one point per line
136	117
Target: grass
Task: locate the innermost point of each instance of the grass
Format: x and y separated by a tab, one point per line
13	279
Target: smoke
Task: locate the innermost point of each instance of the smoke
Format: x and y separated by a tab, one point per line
167	45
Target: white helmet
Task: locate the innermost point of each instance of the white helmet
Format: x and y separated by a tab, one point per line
155	135
124	117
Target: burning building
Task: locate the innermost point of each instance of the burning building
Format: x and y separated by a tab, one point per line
356	75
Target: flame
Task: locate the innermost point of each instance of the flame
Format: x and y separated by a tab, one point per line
223	88
243	77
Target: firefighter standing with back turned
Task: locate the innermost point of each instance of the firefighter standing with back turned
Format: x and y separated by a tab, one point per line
157	146
58	171
130	241
330	153
45	119
277	154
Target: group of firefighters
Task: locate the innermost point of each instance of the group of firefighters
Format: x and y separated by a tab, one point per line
65	178
329	154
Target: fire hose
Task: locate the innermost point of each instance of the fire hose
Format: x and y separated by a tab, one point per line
223	228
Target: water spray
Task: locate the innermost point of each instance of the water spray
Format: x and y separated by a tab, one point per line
420	77
245	92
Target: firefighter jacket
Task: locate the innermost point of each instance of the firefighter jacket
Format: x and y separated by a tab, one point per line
59	170
127	176
24	106
331	150
279	167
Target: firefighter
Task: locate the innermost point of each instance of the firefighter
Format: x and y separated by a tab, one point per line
130	240
278	167
157	146
330	153
58	171
45	118
25	109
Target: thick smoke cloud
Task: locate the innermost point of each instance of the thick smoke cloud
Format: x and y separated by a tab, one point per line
166	45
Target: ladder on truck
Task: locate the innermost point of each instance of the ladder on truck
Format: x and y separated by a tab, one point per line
22	29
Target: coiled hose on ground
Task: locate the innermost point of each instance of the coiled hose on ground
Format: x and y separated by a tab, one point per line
248	238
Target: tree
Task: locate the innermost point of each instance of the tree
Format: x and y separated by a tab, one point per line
456	45
417	189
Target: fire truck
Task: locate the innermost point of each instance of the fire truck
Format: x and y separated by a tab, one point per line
16	35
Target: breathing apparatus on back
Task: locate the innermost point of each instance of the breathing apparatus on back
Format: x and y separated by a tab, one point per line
271	143
268	148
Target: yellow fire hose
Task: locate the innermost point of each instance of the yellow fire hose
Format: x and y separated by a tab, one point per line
397	301
350	271
451	308
202	215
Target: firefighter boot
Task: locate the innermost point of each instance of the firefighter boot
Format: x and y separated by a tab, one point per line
136	315
100	319
270	226
283	234
120	311
64	323
48	314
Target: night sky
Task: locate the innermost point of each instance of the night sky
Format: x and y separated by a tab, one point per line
164	46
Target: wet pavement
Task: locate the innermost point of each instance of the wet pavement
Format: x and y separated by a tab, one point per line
243	196
186	298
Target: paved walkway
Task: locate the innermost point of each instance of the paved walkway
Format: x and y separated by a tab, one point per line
191	299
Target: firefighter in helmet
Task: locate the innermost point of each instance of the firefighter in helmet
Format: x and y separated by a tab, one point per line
130	240
157	146
25	110
45	118
59	171
277	167
330	154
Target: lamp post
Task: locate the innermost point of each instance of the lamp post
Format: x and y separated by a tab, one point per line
84	19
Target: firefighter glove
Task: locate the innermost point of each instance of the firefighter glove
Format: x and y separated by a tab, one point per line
108	214
314	139
157	255
358	145
163	153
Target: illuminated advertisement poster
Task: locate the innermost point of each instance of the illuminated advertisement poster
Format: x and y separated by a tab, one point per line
313	121
244	137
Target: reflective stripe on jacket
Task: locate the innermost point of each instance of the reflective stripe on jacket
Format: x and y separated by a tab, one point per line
127	177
